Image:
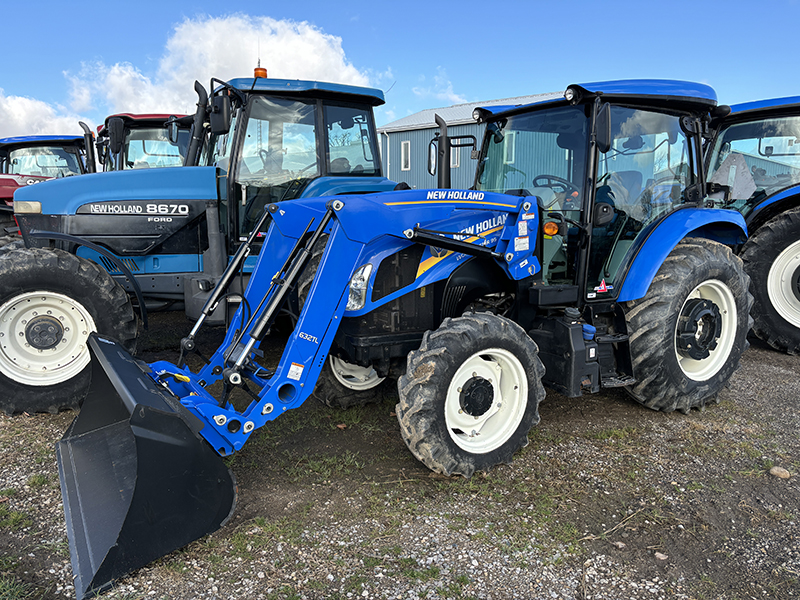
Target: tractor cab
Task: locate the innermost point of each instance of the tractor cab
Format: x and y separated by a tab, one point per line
606	163
753	166
26	160
274	140
143	141
754	154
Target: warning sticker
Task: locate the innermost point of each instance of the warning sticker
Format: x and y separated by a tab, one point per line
522	228
529	216
521	244
295	371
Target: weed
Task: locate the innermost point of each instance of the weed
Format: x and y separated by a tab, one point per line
11	589
38	480
13	519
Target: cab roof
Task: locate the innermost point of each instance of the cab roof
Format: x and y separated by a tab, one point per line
314	89
653	89
772	104
40	140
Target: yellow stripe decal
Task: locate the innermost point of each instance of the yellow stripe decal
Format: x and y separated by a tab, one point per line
450	202
433	260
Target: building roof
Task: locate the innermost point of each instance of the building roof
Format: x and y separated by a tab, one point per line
459	114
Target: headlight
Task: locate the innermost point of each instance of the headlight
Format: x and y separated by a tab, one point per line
27	208
358	288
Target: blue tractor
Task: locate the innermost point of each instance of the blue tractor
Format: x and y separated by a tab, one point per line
585	257
164	236
753	162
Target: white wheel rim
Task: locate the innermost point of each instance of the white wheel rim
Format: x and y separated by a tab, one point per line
23	362
509	384
780	284
354	377
721	295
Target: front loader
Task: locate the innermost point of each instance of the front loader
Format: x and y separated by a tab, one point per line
558	274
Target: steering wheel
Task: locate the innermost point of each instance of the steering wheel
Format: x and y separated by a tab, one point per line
553	181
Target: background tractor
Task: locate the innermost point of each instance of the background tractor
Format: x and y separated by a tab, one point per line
165	235
753	160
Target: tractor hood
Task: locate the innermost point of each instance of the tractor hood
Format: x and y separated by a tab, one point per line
114	189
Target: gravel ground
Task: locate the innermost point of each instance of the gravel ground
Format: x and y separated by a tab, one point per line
608	501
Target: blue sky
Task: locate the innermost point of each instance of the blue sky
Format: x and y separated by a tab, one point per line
64	63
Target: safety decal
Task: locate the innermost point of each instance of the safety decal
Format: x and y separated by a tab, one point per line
295	371
521	244
603	287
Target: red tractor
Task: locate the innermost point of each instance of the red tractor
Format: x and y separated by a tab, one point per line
25	160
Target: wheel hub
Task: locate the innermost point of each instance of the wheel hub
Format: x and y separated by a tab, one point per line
44	332
476	396
796	283
699	328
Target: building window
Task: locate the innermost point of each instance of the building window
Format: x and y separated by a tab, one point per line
509	147
405	155
455	158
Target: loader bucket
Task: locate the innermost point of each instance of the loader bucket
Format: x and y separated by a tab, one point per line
137	479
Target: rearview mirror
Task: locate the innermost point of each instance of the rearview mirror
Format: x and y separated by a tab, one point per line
220	117
172	130
603	128
116	134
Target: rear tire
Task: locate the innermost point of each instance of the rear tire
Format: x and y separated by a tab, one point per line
9	243
772	259
688	333
7	221
470	394
50	301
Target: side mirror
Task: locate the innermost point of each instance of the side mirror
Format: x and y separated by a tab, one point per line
172	130
603	214
432	151
603	126
116	134
220	117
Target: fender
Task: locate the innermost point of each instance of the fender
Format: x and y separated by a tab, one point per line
773	205
722	225
48	235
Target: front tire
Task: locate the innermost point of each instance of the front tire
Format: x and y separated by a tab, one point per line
343	385
688	333
470	394
50	301
771	257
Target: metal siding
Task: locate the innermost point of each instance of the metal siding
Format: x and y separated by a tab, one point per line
418	177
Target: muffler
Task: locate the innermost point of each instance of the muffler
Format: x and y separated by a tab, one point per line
137	479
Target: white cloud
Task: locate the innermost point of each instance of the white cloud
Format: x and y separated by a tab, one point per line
198	49
222	47
442	89
28	116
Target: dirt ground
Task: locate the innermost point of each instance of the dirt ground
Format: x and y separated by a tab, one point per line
609	500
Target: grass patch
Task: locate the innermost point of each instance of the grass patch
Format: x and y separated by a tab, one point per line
38	480
13	519
11	589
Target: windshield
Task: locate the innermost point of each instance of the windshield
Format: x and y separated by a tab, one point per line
43	161
756	159
149	147
279	144
541	153
351	146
